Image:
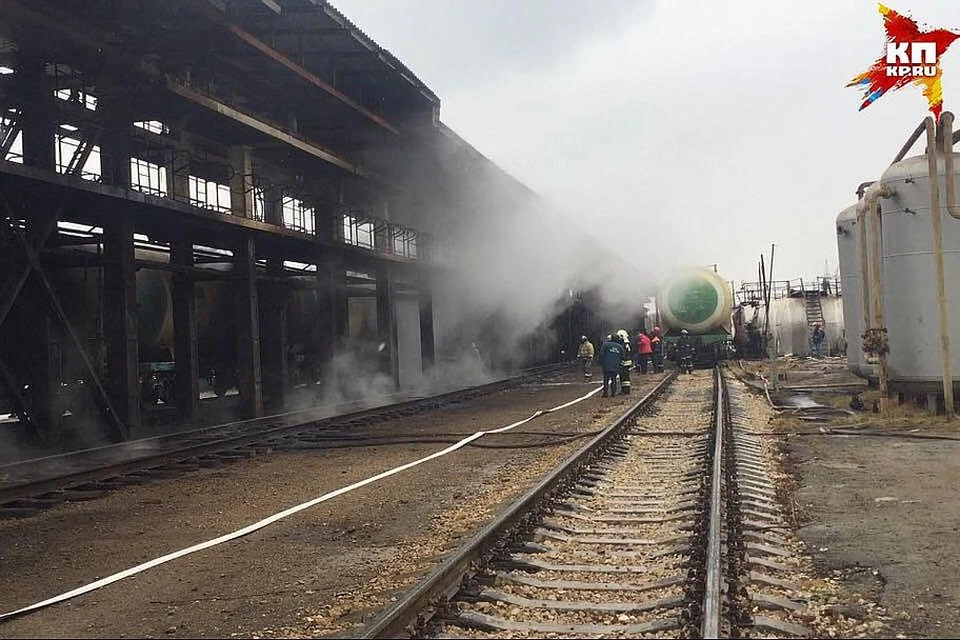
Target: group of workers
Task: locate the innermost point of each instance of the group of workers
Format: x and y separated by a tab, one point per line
620	353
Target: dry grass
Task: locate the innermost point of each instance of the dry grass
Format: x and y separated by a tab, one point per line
905	417
898	417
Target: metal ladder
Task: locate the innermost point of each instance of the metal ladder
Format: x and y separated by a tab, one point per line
814	311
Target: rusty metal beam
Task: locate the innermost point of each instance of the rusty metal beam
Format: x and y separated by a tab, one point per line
8	134
307	75
12	291
79	157
75	32
263	127
116	423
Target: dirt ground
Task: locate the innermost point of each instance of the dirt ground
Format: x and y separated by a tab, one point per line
322	571
878	506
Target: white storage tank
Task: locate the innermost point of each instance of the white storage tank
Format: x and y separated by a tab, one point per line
909	285
788	322
848	249
833	324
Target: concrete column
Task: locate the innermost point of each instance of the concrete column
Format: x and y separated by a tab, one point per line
273	205
178	170
241	184
114	141
39	119
326	219
274	314
187	385
44	370
387	323
381	237
427	342
115	157
248	329
120	320
332	298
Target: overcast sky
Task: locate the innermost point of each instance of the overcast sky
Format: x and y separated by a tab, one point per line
678	132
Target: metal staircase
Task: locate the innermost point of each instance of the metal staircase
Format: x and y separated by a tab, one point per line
814	311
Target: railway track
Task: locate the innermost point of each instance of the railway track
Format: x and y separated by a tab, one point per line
31	485
661	526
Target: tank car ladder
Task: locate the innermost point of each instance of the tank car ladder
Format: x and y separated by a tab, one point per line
814	311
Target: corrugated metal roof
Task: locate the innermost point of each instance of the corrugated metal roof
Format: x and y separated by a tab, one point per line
385	56
460	142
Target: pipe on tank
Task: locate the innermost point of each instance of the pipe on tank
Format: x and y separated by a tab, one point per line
909	143
868	210
946	128
865	287
933	147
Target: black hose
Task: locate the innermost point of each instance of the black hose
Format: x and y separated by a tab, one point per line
388	442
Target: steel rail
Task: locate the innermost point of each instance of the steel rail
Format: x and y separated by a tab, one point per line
444	580
710	625
259	430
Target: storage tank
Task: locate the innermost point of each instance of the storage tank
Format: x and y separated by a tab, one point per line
909	285
697	300
848	250
788	322
155	318
833	324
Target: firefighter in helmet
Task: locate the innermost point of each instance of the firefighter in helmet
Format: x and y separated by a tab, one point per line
627	363
585	354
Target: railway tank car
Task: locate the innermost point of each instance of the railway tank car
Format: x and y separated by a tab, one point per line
701	302
81	295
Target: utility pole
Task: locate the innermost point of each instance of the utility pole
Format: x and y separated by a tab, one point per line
771	340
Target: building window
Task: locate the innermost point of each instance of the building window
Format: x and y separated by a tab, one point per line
148	177
297	216
207	194
15	154
404	242
153	126
66	149
76	96
357	232
259	204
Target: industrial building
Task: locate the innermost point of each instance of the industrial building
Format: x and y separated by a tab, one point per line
202	195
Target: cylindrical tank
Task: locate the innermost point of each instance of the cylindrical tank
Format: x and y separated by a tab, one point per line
154	314
848	250
155	317
909	285
788	322
833	324
697	300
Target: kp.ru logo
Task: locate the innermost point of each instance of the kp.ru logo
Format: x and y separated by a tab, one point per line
911	56
923	55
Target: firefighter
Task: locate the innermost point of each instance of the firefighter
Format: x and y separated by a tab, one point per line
585	355
685	352
610	357
644	351
626	363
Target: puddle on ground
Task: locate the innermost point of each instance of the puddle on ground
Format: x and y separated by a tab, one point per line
800	401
